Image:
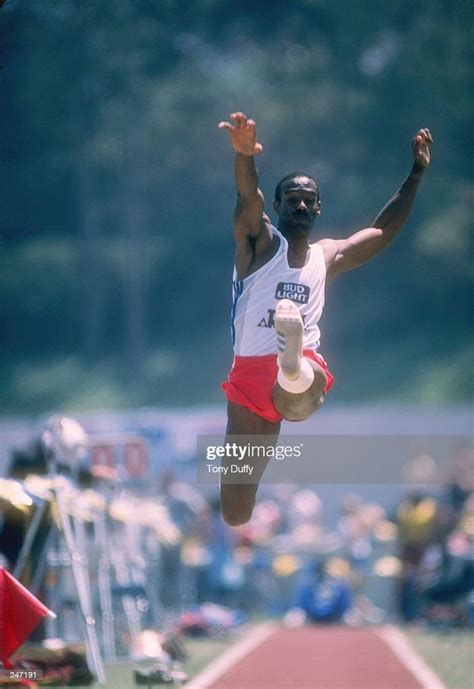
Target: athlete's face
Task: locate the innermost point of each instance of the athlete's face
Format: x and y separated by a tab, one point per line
299	206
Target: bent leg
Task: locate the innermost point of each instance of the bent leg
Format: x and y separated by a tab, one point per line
298	406
238	499
299	389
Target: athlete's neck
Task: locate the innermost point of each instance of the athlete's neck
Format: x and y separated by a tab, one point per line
298	247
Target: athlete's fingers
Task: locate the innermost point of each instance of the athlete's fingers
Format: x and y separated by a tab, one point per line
251	124
420	145
239	118
418	140
424	136
226	125
428	136
258	148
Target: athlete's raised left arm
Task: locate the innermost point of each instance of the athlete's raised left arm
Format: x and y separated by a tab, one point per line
346	254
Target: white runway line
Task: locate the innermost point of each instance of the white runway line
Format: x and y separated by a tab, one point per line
229	658
401	648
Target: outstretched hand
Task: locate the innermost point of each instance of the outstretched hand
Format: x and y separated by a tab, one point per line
242	134
421	147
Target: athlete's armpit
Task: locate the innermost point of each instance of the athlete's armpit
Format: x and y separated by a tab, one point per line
249	218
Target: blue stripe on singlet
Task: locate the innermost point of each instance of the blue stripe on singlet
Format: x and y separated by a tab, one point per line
237	289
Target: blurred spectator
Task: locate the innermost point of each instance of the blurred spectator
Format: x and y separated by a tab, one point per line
437	549
356	525
454	582
321	597
306	508
416	517
183	505
420	470
224	574
460	483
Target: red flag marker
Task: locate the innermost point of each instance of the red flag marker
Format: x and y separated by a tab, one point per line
20	613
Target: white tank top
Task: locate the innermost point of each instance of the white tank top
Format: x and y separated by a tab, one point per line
255	298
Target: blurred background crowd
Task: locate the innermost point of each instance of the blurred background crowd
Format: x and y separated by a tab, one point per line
157	553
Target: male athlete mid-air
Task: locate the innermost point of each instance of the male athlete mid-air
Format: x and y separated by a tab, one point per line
279	285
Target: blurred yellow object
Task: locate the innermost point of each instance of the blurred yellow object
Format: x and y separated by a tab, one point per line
338	567
194	553
467	524
38	486
385	531
387	566
95	500
415	519
13	493
285	565
147	513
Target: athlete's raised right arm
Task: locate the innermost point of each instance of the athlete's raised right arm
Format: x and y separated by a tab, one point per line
251	226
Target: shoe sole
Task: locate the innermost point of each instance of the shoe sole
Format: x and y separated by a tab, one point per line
289	330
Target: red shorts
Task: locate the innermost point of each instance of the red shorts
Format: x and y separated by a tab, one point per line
251	380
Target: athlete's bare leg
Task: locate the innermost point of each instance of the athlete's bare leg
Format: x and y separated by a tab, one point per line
238	500
299	406
297	393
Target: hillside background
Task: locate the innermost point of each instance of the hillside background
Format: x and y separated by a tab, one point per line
116	246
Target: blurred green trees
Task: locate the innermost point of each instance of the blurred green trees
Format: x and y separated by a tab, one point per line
116	247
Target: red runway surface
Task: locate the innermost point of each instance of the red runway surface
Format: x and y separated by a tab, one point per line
319	658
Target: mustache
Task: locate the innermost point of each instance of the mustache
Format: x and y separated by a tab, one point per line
303	214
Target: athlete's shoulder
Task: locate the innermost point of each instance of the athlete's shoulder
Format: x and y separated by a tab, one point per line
330	248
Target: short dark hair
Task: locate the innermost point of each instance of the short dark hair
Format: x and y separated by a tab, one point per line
293	175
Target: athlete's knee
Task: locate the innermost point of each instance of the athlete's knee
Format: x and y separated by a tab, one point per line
236	509
297	415
233	517
235	514
298	407
300	414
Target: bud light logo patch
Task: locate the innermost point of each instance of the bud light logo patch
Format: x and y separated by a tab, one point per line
293	291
